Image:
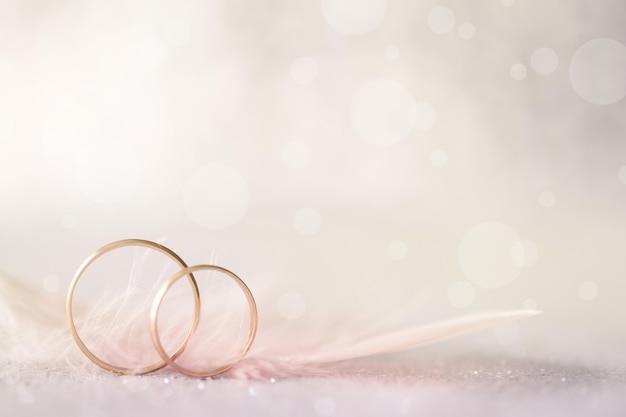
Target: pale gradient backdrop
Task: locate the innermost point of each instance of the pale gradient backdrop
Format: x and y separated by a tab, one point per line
353	161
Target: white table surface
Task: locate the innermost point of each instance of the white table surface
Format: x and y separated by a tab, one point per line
428	386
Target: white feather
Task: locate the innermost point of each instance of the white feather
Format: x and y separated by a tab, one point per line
421	335
33	329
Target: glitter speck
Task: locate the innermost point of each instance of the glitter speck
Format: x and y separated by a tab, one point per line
166	380
272	380
201	386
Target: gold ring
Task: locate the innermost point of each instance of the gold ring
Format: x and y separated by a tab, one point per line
154	312
88	262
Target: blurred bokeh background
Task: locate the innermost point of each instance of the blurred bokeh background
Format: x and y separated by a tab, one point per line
376	162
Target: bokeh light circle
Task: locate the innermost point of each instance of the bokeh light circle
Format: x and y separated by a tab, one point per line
392	52
506	334
291	305
461	294
438	158
153	53
379	112
485	255
295	154
304	70
588	290
7	125
422	116
325	406
530	304
467	31
547	199
56	144
441	20
518	71
524	253
598	71
622	174
5	67
107	171
397	249
215	196
307	221
176	31
51	283
354	17
544	61
68	221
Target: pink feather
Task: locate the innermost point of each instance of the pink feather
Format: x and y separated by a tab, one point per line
33	329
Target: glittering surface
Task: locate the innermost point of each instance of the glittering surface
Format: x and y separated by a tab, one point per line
437	386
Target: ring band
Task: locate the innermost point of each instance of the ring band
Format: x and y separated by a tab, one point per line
154	312
98	253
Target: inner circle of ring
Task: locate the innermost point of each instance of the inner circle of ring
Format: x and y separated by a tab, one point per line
158	299
81	270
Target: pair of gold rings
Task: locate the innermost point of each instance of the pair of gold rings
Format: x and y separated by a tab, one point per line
167	360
